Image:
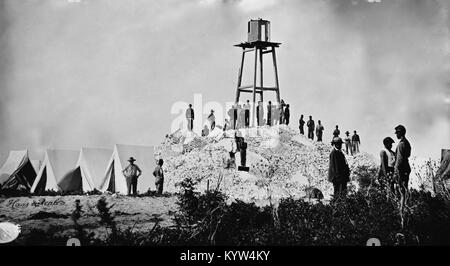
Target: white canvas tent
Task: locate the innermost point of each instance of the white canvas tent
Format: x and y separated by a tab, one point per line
59	172
36	165
17	171
93	163
114	180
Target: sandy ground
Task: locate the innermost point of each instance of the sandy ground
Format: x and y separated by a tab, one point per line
47	212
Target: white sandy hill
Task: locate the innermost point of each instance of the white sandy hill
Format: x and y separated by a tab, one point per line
282	163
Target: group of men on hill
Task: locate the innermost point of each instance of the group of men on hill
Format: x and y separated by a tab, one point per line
239	116
394	169
277	114
351	143
310	124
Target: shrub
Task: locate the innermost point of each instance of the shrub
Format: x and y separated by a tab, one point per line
14	193
364	175
41	237
153	193
427	219
206	219
80	233
245	224
44	215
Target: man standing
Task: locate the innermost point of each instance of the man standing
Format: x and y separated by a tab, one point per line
387	159
247	114
190	117
235	116
132	173
338	171
356	141
336	132
269	113
275	115
159	176
241	117
319	131
260	114
231	116
212	120
301	124
310	124
287	114
348	143
281	112
402	168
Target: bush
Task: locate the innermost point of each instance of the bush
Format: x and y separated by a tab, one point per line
44	215
206	219
351	221
200	214
427	219
40	237
365	176
14	193
245	224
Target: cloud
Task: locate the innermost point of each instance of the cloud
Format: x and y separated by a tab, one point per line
96	73
256	5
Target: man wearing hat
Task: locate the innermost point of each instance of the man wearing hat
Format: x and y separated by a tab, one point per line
269	113
280	112
260	114
287	115
247	114
310	125
356	141
338	172
336	132
301	124
190	117
402	168
132	173
319	131
212	120
240	117
387	159
348	143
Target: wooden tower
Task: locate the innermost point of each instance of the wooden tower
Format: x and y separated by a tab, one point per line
259	43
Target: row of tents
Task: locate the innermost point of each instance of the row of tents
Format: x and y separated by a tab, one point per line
81	171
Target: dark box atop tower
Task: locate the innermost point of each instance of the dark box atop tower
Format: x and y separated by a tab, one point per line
258	30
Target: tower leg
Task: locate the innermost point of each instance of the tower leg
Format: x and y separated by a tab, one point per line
261	74
277	85
254	86
240	77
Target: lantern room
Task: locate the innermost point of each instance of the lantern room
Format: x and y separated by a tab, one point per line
258	30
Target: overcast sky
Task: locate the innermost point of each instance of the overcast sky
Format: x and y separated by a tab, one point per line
99	72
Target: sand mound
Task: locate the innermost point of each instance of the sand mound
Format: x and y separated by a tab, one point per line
282	163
